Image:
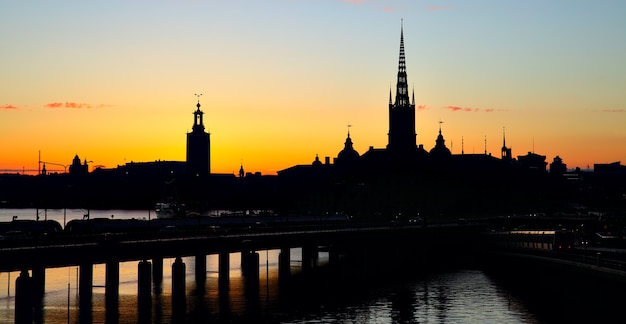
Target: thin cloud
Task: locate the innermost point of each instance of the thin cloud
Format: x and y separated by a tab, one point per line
8	107
422	107
73	105
614	110
440	8
470	109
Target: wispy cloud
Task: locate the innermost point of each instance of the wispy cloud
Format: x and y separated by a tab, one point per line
422	107
440	8
73	105
470	109
8	107
614	110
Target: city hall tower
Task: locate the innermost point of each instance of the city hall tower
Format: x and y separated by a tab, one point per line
198	146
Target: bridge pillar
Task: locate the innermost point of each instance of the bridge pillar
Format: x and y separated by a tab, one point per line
250	264
144	271
284	264
178	288
39	281
224	270
112	285
85	285
200	270
23	298
157	270
144	297
309	257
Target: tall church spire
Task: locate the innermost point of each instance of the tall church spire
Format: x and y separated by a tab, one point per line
402	88
402	136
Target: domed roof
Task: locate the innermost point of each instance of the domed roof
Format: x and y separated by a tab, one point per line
348	154
440	150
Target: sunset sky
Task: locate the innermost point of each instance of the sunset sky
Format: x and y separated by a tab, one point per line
114	81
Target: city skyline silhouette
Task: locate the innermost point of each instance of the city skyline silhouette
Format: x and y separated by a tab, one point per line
279	88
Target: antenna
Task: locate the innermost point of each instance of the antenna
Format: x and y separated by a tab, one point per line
485	144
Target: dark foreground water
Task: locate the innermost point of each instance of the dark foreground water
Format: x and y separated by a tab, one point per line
463	293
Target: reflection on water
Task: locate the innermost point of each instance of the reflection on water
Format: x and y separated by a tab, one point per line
459	296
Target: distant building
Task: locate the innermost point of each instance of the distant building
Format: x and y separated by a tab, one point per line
614	168
198	147
557	166
533	161
78	169
402	136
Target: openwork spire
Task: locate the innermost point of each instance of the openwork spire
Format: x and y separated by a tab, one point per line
402	91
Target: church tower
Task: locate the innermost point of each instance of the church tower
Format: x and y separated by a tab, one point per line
402	136
198	146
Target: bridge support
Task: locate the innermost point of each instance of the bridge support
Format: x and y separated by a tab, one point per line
309	257
112	285
178	288
200	270
157	270
250	264
224	270
39	282
144	297
85	285
284	264
23	298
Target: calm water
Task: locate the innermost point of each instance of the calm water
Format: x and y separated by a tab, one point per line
460	295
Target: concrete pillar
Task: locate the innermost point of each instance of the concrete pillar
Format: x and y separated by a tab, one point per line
157	270
112	285
178	288
200	270
224	270
39	282
144	297
144	272
23	298
250	264
309	257
85	284
284	264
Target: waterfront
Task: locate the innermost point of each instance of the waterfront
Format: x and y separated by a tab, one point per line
460	294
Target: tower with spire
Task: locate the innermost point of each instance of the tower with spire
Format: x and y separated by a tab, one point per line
402	136
347	156
198	145
506	151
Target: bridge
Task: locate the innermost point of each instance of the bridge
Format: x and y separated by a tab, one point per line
422	243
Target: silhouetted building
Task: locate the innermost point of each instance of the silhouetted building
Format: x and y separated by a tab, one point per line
78	169
507	156
614	168
348	156
440	151
557	166
533	161
198	146
402	136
